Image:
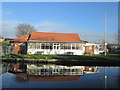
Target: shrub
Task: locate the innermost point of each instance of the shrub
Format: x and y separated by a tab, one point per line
5	43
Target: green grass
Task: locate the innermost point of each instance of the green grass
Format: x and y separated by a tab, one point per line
66	57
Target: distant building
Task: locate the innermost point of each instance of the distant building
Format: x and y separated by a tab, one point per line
113	48
1	39
53	43
8	39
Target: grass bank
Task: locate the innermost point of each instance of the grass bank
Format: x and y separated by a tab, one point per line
113	57
84	60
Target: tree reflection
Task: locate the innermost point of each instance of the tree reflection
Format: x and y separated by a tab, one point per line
20	79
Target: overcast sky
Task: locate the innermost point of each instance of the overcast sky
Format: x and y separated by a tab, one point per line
84	18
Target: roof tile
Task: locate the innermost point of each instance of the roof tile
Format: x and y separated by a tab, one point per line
22	38
45	36
60	37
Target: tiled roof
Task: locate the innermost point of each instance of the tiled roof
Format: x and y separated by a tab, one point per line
60	37
54	37
22	38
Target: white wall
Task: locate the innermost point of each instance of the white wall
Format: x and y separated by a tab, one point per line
64	51
50	52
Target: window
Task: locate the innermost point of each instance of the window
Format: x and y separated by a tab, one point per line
37	45
56	46
78	46
73	46
33	45
66	45
42	45
51	46
61	46
69	46
46	46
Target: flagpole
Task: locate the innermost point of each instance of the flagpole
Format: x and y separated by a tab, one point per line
105	33
105	76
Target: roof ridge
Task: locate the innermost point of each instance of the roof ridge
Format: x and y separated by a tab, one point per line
54	32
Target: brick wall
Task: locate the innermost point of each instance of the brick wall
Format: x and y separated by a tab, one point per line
89	49
16	48
20	49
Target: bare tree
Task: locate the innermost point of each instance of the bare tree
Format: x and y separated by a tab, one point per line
24	28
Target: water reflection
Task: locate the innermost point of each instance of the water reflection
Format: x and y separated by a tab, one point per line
17	75
48	72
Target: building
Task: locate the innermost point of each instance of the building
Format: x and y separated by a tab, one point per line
8	39
5	47
92	48
113	48
1	39
53	43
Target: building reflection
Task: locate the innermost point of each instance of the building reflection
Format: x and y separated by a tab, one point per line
50	72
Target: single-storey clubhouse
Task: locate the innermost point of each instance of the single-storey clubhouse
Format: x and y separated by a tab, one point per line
53	44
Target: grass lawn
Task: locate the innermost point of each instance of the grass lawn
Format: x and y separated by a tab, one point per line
66	57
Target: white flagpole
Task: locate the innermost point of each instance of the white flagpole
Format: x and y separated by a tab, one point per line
105	33
105	76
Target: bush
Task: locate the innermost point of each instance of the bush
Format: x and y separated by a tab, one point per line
5	43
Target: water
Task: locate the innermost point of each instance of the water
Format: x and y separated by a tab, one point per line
23	75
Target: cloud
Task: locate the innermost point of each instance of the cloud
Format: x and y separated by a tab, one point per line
87	35
97	37
8	28
50	26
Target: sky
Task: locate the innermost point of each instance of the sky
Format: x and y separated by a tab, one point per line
84	18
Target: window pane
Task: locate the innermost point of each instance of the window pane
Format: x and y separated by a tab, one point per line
42	45
80	47
38	45
33	45
65	46
61	46
69	46
51	46
73	46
